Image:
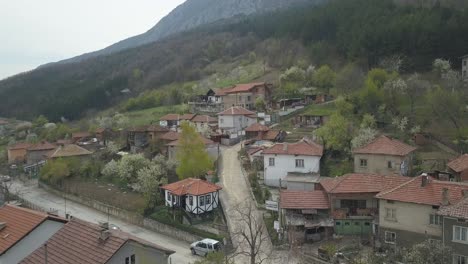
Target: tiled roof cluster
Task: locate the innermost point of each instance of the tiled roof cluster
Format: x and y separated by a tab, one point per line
384	145
191	186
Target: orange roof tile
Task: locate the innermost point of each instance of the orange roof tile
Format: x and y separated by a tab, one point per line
70	150
413	192
191	186
170	136
246	87
304	200
303	147
81	134
459	164
19	223
21	145
176	117
361	183
386	146
204	119
156	128
78	242
256	127
270	135
458	210
237	110
42	146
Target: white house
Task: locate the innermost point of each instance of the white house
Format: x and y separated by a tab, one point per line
235	119
301	157
195	196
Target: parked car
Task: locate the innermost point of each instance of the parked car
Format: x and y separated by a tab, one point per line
205	246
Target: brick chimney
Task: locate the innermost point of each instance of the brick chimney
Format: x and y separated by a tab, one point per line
424	180
445	196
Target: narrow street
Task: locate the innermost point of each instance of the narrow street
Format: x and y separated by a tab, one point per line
30	192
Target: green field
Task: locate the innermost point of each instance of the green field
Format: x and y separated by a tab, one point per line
152	115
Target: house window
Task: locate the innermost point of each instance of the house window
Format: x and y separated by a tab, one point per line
459	259
130	260
363	163
299	163
240	98
390	214
389	164
248	98
169	196
271	162
390	237
208	199
460	234
221	120
202	200
190	200
435	219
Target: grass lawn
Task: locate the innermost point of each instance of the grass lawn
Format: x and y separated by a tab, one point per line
152	115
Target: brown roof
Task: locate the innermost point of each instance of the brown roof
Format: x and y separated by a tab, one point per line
187	117
361	183
459	210
100	130
256	127
19	223
156	128
78	242
70	150
222	91
42	146
270	135
177	142
304	200
175	117
170	136
22	145
81	134
386	146
413	192
459	164
237	110
191	186
303	147
204	119
246	87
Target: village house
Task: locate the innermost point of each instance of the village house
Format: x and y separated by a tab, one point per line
173	121
195	196
211	148
103	135
245	95
282	158
258	131
91	243
306	215
384	155
455	229
465	67
204	123
459	168
39	152
209	103
408	212
353	205
17	153
78	137
235	120
70	150
22	231
138	138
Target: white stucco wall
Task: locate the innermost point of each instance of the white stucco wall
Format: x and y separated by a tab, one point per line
285	164
143	255
234	123
409	217
196	201
31	242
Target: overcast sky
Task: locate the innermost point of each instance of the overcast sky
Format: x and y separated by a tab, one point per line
35	32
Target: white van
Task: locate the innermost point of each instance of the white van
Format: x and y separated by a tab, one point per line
205	246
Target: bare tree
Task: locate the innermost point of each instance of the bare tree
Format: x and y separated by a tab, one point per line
251	234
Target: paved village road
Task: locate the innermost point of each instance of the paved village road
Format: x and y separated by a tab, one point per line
33	194
236	191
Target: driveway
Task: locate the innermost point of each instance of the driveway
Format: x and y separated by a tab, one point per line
33	194
236	191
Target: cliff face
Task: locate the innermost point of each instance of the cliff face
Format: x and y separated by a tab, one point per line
194	13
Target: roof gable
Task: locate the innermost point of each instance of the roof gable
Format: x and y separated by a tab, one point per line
459	164
170	136
304	200
191	186
459	210
361	183
303	147
384	145
237	110
70	150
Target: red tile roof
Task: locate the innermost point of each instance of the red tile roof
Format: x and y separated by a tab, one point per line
270	135
361	183
237	110
78	242
222	91
22	145
413	192
81	134
170	136
304	200
175	117
459	210
254	150
204	119
459	164
177	142
42	146
19	223
386	146
303	147
191	186
70	150
256	127
247	87
156	128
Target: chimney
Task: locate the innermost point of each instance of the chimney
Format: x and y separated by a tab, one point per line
285	146
104	225
465	193
105	233
445	196
424	180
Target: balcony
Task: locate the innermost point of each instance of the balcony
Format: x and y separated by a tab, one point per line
355	213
